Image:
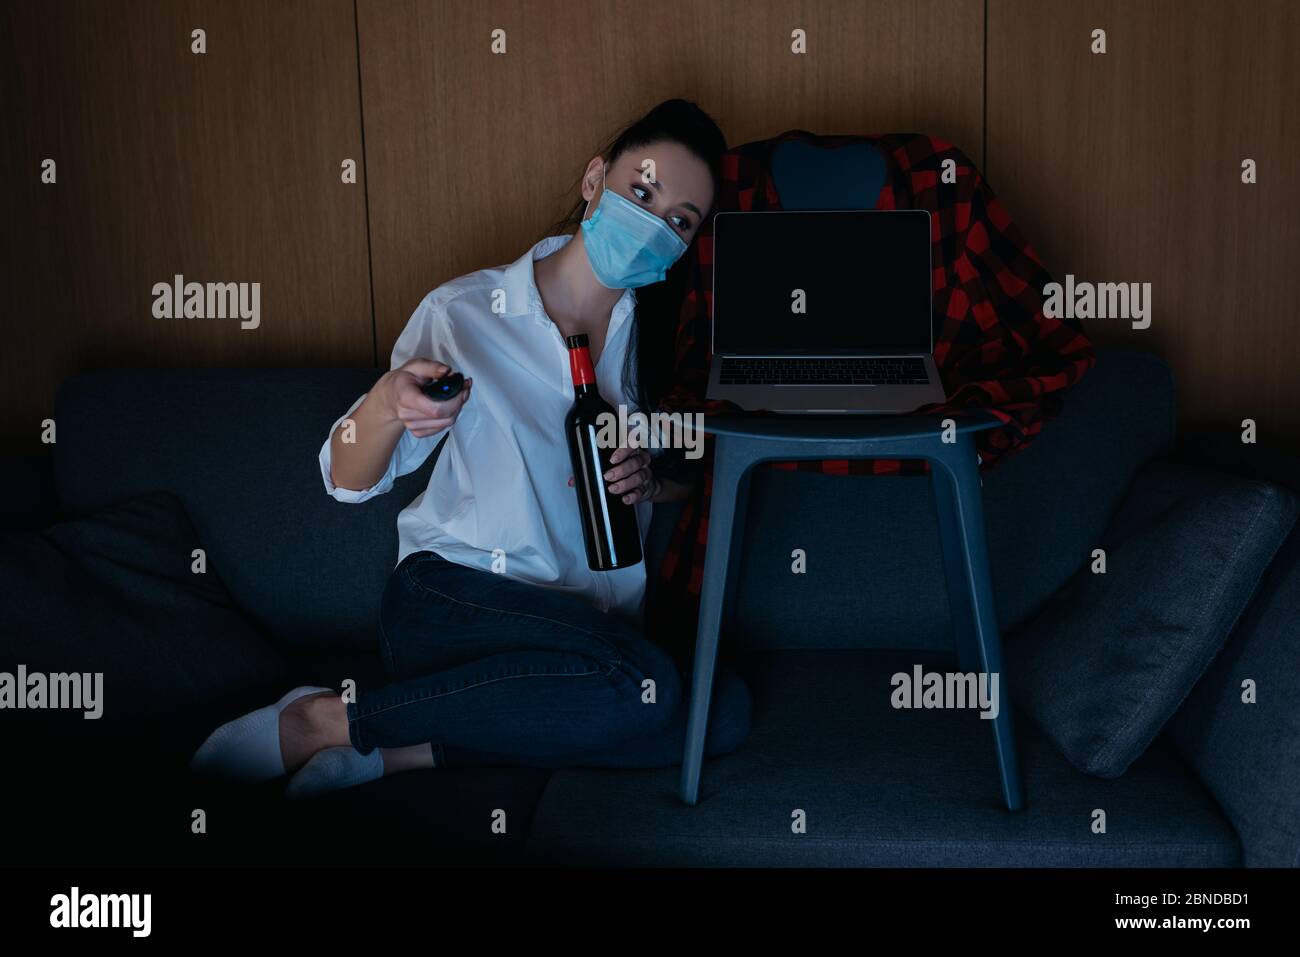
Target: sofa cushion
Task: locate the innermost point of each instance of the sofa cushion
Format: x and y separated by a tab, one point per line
1113	655
878	787
114	593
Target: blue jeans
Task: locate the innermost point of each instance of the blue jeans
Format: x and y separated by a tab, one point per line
491	670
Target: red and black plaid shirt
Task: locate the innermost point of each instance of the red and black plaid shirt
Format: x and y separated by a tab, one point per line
994	348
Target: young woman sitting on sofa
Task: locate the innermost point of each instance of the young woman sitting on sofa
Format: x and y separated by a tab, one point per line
501	645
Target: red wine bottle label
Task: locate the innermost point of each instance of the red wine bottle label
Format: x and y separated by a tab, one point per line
580	366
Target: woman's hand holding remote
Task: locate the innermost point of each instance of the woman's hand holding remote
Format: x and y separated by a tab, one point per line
404	396
396	404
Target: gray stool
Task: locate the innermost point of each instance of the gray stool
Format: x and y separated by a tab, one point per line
744	441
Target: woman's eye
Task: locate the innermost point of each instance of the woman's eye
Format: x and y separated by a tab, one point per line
681	222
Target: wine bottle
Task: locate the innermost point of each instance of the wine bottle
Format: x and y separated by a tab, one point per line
609	525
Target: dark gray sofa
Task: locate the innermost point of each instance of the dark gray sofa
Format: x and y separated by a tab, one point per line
239	447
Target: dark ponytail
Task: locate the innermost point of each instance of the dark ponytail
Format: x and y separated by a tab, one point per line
648	367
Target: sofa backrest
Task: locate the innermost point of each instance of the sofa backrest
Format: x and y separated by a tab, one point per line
239	447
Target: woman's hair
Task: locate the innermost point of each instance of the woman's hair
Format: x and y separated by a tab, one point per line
648	367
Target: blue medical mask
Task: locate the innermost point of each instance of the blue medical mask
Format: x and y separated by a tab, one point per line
627	246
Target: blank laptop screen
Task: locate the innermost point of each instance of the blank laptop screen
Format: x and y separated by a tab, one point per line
864	276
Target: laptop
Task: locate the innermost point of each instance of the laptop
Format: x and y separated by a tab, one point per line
823	311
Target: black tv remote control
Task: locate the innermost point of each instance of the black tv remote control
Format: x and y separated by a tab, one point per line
448	387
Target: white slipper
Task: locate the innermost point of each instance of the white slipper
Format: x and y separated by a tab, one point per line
335	768
248	748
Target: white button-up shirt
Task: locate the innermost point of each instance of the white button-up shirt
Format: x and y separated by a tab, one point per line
499	497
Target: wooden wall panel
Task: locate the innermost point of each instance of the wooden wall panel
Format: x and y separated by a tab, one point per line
223	167
472	155
1127	167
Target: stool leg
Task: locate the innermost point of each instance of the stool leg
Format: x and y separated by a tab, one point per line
721	559
954	571
965	521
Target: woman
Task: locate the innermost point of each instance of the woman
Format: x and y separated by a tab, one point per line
501	645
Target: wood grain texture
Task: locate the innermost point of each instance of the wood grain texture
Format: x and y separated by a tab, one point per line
1127	167
223	167
473	155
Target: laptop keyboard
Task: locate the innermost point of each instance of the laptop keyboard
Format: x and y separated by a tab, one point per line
857	370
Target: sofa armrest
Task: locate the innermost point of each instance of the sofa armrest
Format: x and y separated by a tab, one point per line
1239	729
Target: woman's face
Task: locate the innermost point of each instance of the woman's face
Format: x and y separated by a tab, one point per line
679	191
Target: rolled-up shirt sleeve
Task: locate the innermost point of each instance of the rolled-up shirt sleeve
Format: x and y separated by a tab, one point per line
357	495
417	339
